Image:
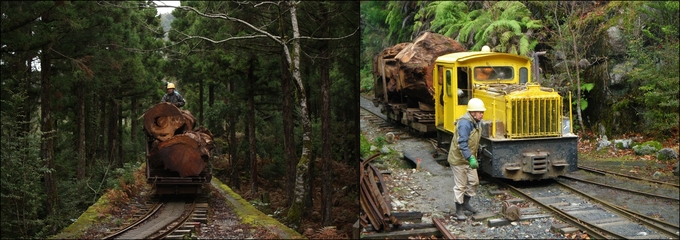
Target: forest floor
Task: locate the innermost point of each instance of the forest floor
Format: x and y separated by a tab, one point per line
345	202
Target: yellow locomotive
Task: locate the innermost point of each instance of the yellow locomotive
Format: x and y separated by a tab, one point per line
525	135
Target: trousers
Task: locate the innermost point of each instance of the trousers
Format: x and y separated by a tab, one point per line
465	180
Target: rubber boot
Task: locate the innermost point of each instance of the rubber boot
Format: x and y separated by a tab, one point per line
459	212
466	204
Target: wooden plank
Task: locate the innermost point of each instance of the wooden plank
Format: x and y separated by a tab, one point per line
482	216
403	227
408	216
427	232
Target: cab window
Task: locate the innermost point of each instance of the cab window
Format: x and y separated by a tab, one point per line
493	73
448	82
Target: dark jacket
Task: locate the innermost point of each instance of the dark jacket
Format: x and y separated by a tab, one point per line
465	141
175	98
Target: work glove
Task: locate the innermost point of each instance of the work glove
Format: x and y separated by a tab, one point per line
473	162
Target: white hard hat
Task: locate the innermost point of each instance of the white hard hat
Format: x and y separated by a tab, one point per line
486	49
476	105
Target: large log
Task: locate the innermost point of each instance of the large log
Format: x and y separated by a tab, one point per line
174	143
414	66
181	154
164	119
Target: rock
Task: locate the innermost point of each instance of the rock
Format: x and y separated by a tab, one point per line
656	175
615	40
373	148
676	168
647	148
623	143
666	154
603	143
385	150
619	72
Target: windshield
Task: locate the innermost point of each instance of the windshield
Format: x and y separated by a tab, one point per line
493	73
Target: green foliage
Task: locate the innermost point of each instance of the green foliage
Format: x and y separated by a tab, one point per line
364	146
655	78
379	141
448	16
504	27
367	81
585	87
22	194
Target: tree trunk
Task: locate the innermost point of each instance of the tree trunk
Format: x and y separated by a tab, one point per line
47	145
326	154
119	133
211	95
134	125
578	78
101	134
235	180
296	209
200	101
251	126
113	132
80	142
288	123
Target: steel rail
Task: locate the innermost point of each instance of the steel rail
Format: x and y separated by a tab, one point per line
592	230
592	169
148	214
179	224
442	228
635	217
620	188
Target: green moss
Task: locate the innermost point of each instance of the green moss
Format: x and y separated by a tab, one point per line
250	215
85	221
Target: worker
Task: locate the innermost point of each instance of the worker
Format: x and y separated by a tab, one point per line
173	96
464	164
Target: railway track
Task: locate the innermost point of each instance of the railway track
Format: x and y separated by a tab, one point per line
171	219
592	215
581	211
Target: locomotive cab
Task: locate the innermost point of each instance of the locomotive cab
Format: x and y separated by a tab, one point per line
525	134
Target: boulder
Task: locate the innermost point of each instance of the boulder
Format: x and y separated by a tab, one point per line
647	148
667	154
623	143
603	143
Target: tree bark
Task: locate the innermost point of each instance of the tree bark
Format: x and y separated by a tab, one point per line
288	123
119	133
326	154
134	125
47	145
200	101
80	141
211	95
235	180
251	126
113	131
296	209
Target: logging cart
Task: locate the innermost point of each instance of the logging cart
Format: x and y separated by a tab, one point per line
526	130
177	154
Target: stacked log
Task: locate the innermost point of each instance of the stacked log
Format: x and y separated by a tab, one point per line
408	67
176	145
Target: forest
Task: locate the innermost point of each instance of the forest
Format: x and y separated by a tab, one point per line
619	59
277	84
